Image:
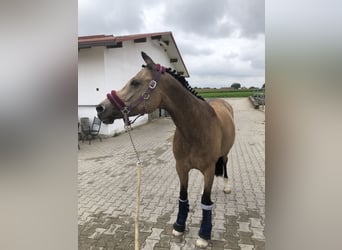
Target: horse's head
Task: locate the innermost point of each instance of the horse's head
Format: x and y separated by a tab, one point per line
139	95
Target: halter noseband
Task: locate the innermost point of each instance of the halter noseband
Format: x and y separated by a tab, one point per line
125	110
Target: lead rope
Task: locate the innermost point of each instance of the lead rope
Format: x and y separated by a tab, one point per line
128	129
137	207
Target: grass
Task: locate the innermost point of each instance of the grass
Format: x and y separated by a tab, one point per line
219	93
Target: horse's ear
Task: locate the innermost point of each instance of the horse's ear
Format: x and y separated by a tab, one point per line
149	62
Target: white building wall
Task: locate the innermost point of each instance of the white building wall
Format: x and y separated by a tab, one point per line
101	70
91	75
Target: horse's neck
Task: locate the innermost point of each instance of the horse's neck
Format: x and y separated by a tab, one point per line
188	112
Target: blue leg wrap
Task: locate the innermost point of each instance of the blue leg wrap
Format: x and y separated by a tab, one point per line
206	226
183	209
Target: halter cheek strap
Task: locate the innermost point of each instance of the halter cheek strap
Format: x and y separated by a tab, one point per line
125	110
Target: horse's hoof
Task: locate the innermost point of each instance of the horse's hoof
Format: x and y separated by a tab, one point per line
201	243
227	190
176	233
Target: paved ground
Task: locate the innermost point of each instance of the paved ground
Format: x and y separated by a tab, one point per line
107	189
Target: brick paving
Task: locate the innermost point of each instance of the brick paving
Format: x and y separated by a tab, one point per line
107	190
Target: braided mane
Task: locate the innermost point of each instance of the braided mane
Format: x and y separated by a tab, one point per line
184	82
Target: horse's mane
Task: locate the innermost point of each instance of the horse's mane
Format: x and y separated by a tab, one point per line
182	81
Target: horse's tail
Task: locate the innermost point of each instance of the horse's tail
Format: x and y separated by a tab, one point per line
219	167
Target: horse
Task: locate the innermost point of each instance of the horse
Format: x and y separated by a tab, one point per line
203	137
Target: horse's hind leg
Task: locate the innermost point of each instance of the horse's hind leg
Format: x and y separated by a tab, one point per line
226	189
207	205
183	203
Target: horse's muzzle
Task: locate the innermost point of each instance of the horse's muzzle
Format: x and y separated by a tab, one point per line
100	108
106	114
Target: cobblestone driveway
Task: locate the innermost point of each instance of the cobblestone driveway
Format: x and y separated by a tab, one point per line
107	189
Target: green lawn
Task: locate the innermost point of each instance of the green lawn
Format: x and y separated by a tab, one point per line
216	93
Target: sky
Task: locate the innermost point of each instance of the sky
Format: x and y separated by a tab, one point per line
221	41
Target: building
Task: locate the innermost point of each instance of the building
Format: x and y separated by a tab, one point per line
107	62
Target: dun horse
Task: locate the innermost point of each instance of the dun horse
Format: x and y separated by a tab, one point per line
204	133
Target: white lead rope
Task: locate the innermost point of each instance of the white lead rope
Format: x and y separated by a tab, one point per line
137	207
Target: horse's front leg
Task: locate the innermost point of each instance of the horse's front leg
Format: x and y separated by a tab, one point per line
183	203
207	205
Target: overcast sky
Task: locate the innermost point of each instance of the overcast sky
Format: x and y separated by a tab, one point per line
221	41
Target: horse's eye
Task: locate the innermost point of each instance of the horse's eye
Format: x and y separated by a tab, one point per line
135	83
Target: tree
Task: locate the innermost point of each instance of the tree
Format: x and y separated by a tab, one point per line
236	85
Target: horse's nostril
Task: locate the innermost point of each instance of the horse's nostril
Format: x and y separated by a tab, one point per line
100	108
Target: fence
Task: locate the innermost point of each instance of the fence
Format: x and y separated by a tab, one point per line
258	98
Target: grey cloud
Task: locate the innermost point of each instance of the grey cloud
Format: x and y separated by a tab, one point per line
250	15
202	17
258	63
200	28
190	49
110	17
205	18
230	55
224	71
220	18
255	55
217	67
